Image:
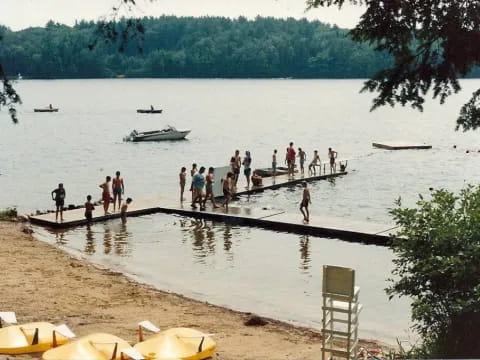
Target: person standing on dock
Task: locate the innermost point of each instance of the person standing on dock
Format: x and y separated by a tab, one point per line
302	156
193	171
118	188
291	160
209	181
227	185
247	170
183	181
274	163
198	185
305	202
237	166
332	155
106	194
315	162
58	195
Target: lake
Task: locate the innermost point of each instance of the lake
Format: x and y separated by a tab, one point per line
273	274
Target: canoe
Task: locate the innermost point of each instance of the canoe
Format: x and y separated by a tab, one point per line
46	110
97	346
149	111
29	338
177	343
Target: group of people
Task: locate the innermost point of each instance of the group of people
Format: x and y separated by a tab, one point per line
291	156
117	187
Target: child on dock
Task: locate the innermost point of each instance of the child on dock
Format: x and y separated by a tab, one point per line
315	162
59	199
106	193
305	201
302	156
183	181
227	185
118	188
123	211
332	155
89	207
210	180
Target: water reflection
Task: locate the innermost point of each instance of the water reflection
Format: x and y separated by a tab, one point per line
90	241
305	254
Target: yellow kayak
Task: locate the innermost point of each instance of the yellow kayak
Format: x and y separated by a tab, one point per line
97	346
29	338
177	343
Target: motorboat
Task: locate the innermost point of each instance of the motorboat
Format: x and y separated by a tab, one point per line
46	110
167	133
149	111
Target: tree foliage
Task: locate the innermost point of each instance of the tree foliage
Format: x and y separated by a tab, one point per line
432	43
437	264
190	47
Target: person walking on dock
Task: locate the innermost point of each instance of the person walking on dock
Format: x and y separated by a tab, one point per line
305	202
291	160
198	185
237	166
58	195
118	188
247	169
106	193
183	181
89	207
274	162
332	155
315	162
227	185
302	156
193	171
209	181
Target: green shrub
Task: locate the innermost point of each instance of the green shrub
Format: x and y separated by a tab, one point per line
8	214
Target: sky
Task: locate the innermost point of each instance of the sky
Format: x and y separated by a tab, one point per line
20	14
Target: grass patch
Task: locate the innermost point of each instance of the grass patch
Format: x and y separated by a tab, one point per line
8	214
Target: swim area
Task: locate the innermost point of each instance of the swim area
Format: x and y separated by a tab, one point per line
275	274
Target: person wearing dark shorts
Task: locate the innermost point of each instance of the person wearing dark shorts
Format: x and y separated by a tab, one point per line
304	203
58	195
89	207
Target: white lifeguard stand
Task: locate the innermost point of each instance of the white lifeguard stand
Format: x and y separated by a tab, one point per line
340	313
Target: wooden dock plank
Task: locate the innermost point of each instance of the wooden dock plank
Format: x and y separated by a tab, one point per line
400	145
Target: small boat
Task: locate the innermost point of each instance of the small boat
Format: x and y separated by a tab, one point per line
98	346
31	337
149	111
175	343
168	133
46	110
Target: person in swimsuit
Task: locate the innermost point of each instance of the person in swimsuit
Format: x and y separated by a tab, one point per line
247	170
89	207
332	155
302	156
183	181
305	201
106	193
209	181
274	163
198	185
237	166
227	185
291	160
343	167
118	188
315	162
193	171
58	195
124	209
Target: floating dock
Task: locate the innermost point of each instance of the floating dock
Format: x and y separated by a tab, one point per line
352	230
400	145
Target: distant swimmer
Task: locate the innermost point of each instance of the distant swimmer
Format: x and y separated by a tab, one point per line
314	163
343	167
58	195
332	155
183	181
118	188
305	202
106	193
89	207
124	209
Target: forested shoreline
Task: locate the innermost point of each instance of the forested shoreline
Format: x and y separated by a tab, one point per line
192	47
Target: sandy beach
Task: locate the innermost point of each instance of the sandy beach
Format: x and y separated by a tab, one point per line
43	283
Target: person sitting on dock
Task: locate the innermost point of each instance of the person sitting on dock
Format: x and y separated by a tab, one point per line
227	185
106	193
332	155
305	202
198	185
124	209
257	179
274	162
118	188
315	162
343	167
183	181
210	180
89	207
58	195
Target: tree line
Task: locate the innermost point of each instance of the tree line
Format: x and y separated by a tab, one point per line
192	47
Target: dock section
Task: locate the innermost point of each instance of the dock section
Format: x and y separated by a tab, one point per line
400	145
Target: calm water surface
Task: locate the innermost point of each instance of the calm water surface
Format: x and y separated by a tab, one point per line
274	274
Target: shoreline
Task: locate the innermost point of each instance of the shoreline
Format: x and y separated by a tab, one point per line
60	287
